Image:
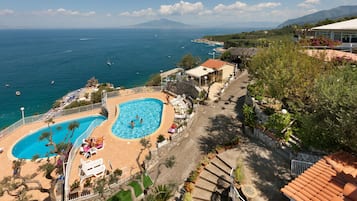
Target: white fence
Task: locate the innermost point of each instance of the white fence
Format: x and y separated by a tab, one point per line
42	117
73	152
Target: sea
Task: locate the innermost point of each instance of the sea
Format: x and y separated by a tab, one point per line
44	65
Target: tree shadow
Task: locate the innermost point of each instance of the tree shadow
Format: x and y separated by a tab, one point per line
239	108
222	130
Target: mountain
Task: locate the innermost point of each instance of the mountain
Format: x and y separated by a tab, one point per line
161	24
335	13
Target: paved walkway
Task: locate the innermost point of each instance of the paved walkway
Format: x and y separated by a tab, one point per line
267	171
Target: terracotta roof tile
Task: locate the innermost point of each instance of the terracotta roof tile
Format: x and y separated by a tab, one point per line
214	63
327	180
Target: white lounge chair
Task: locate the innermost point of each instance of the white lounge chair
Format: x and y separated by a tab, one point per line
91	168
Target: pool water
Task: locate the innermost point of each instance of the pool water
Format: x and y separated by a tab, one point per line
148	109
30	145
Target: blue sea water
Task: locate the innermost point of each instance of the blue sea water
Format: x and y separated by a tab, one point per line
31	59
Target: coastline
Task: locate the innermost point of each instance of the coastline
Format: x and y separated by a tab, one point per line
208	42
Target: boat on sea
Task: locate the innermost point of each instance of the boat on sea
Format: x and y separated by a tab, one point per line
52	82
18	93
7	85
109	63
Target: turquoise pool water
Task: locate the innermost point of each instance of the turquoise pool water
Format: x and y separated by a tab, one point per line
148	109
30	145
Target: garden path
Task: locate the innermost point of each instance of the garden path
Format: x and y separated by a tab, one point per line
266	170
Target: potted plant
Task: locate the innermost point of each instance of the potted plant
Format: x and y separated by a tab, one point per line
160	138
189	186
87	183
204	161
160	141
211	155
74	185
219	149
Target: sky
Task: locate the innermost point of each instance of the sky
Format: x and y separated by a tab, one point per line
119	13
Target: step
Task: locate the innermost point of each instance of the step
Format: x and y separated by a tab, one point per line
229	158
217	170
222	160
208	176
200	194
221	165
218	173
205	184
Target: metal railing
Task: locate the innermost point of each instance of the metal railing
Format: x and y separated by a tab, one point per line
234	194
298	167
78	109
73	153
42	117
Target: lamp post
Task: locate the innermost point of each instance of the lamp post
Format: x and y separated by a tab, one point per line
206	79
161	79
23	115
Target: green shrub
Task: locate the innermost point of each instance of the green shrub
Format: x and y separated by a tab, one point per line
239	173
75	184
269	111
160	138
187	196
249	115
277	123
256	90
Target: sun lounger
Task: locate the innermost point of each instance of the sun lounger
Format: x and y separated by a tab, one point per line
91	168
180	116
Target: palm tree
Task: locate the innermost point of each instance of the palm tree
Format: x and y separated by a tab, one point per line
161	193
146	144
71	127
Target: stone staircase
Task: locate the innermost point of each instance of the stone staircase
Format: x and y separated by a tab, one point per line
215	177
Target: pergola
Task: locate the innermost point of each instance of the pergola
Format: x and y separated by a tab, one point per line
200	72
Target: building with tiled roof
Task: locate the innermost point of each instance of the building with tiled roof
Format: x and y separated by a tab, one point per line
212	70
332	178
223	70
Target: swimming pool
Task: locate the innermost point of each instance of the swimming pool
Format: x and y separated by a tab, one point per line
147	109
30	145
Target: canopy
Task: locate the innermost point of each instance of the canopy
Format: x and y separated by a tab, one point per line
199	71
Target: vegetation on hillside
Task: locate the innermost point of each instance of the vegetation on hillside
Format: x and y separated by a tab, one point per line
319	95
260	38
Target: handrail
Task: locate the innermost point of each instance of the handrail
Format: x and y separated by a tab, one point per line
73	152
233	190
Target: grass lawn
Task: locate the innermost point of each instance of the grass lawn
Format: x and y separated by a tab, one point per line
137	188
147	182
121	196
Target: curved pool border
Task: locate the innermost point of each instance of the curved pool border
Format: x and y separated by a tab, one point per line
135	99
12	157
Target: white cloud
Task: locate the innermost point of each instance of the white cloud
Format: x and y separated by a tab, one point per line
62	11
6	12
236	6
181	8
262	6
108	15
139	13
308	3
240	6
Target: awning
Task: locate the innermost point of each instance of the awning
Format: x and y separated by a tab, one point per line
199	71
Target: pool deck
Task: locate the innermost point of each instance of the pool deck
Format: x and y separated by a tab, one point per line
120	153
